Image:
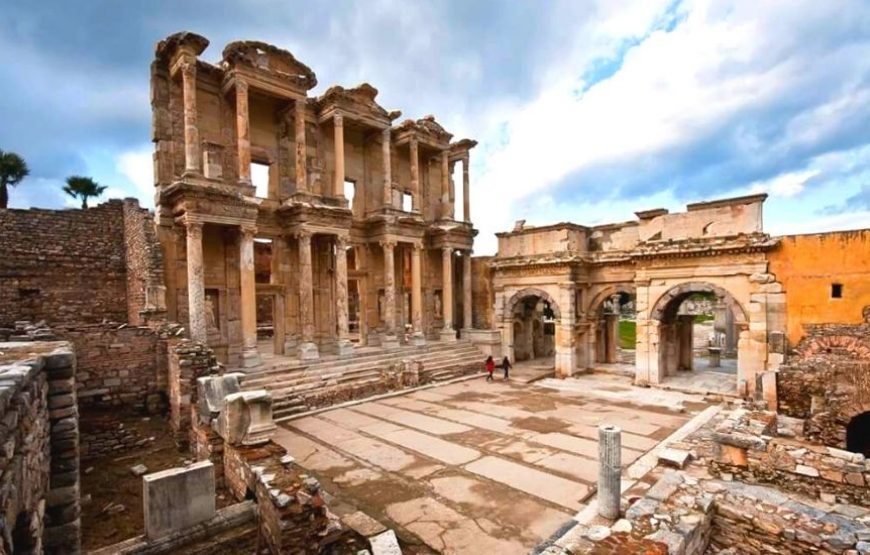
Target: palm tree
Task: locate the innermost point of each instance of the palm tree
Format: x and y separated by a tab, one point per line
83	188
13	169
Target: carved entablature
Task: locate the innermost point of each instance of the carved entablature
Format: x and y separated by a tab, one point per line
459	150
459	236
317	219
270	59
537	270
357	104
426	130
208	204
695	247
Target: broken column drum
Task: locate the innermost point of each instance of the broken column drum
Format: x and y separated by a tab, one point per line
609	470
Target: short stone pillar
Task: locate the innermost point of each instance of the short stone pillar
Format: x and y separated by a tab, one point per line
714	356
246	418
609	470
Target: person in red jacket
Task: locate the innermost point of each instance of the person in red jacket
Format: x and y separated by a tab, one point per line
490	368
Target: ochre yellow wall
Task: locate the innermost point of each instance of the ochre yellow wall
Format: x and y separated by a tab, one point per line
807	265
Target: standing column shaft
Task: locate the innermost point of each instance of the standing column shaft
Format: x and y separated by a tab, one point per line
446	207
192	159
307	349
388	169
301	147
467	321
341	286
609	470
416	289
338	185
250	356
466	191
195	282
447	286
243	132
415	175
389	286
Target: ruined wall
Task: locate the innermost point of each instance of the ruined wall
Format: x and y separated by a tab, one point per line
706	219
807	266
146	297
547	239
39	485
63	266
117	365
482	295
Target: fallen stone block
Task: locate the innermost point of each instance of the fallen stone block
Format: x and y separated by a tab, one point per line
178	498
212	392
246	418
674	457
385	543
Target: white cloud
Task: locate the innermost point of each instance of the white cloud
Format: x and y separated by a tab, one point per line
674	88
785	185
138	167
833	222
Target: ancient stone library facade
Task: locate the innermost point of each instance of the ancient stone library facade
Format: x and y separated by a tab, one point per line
307	251
357	211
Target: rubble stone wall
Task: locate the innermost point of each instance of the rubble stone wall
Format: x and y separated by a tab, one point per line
188	360
482	296
63	266
39	485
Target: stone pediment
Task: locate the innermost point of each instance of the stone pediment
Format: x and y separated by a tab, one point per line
185	40
271	59
426	130
358	101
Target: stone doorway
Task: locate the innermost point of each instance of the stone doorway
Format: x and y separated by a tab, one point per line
616	330
534	330
858	434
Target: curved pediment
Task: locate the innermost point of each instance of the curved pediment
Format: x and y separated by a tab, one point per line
266	57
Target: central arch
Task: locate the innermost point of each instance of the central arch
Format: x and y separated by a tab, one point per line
673	344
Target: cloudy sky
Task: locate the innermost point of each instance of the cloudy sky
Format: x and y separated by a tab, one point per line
585	110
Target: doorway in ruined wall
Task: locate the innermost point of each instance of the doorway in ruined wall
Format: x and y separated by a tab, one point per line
534	329
616	329
858	434
692	347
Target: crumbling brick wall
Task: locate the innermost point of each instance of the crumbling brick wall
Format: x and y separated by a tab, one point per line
39	485
146	297
63	266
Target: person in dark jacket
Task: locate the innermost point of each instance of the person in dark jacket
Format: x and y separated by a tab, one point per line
506	365
490	368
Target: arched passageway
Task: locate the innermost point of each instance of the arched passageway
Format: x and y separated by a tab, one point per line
697	326
858	434
616	329
534	329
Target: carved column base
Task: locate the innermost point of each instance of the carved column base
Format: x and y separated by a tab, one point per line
308	351
390	342
250	357
418	339
448	335
345	347
290	344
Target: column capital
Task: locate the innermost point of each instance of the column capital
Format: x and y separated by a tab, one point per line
193	227
302	234
418	247
342	241
248	230
338	120
447	250
188	68
386	133
241	86
387	243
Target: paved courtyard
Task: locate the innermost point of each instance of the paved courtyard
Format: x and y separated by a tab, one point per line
474	467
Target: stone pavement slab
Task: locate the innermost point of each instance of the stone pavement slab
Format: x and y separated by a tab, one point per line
422	422
433	447
566	493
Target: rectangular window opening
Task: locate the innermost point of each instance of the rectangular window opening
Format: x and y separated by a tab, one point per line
458	194
836	290
407	202
260	179
349	191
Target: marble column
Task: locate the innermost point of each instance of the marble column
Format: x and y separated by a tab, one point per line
192	158
466	192
250	354
467	320
345	347
243	132
446	204
338	184
388	168
307	348
609	471
390	339
447	333
301	147
417	295
415	174
195	282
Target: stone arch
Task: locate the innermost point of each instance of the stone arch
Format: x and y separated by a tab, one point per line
609	291
665	307
530	292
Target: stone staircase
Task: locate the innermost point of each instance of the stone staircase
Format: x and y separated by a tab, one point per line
291	381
